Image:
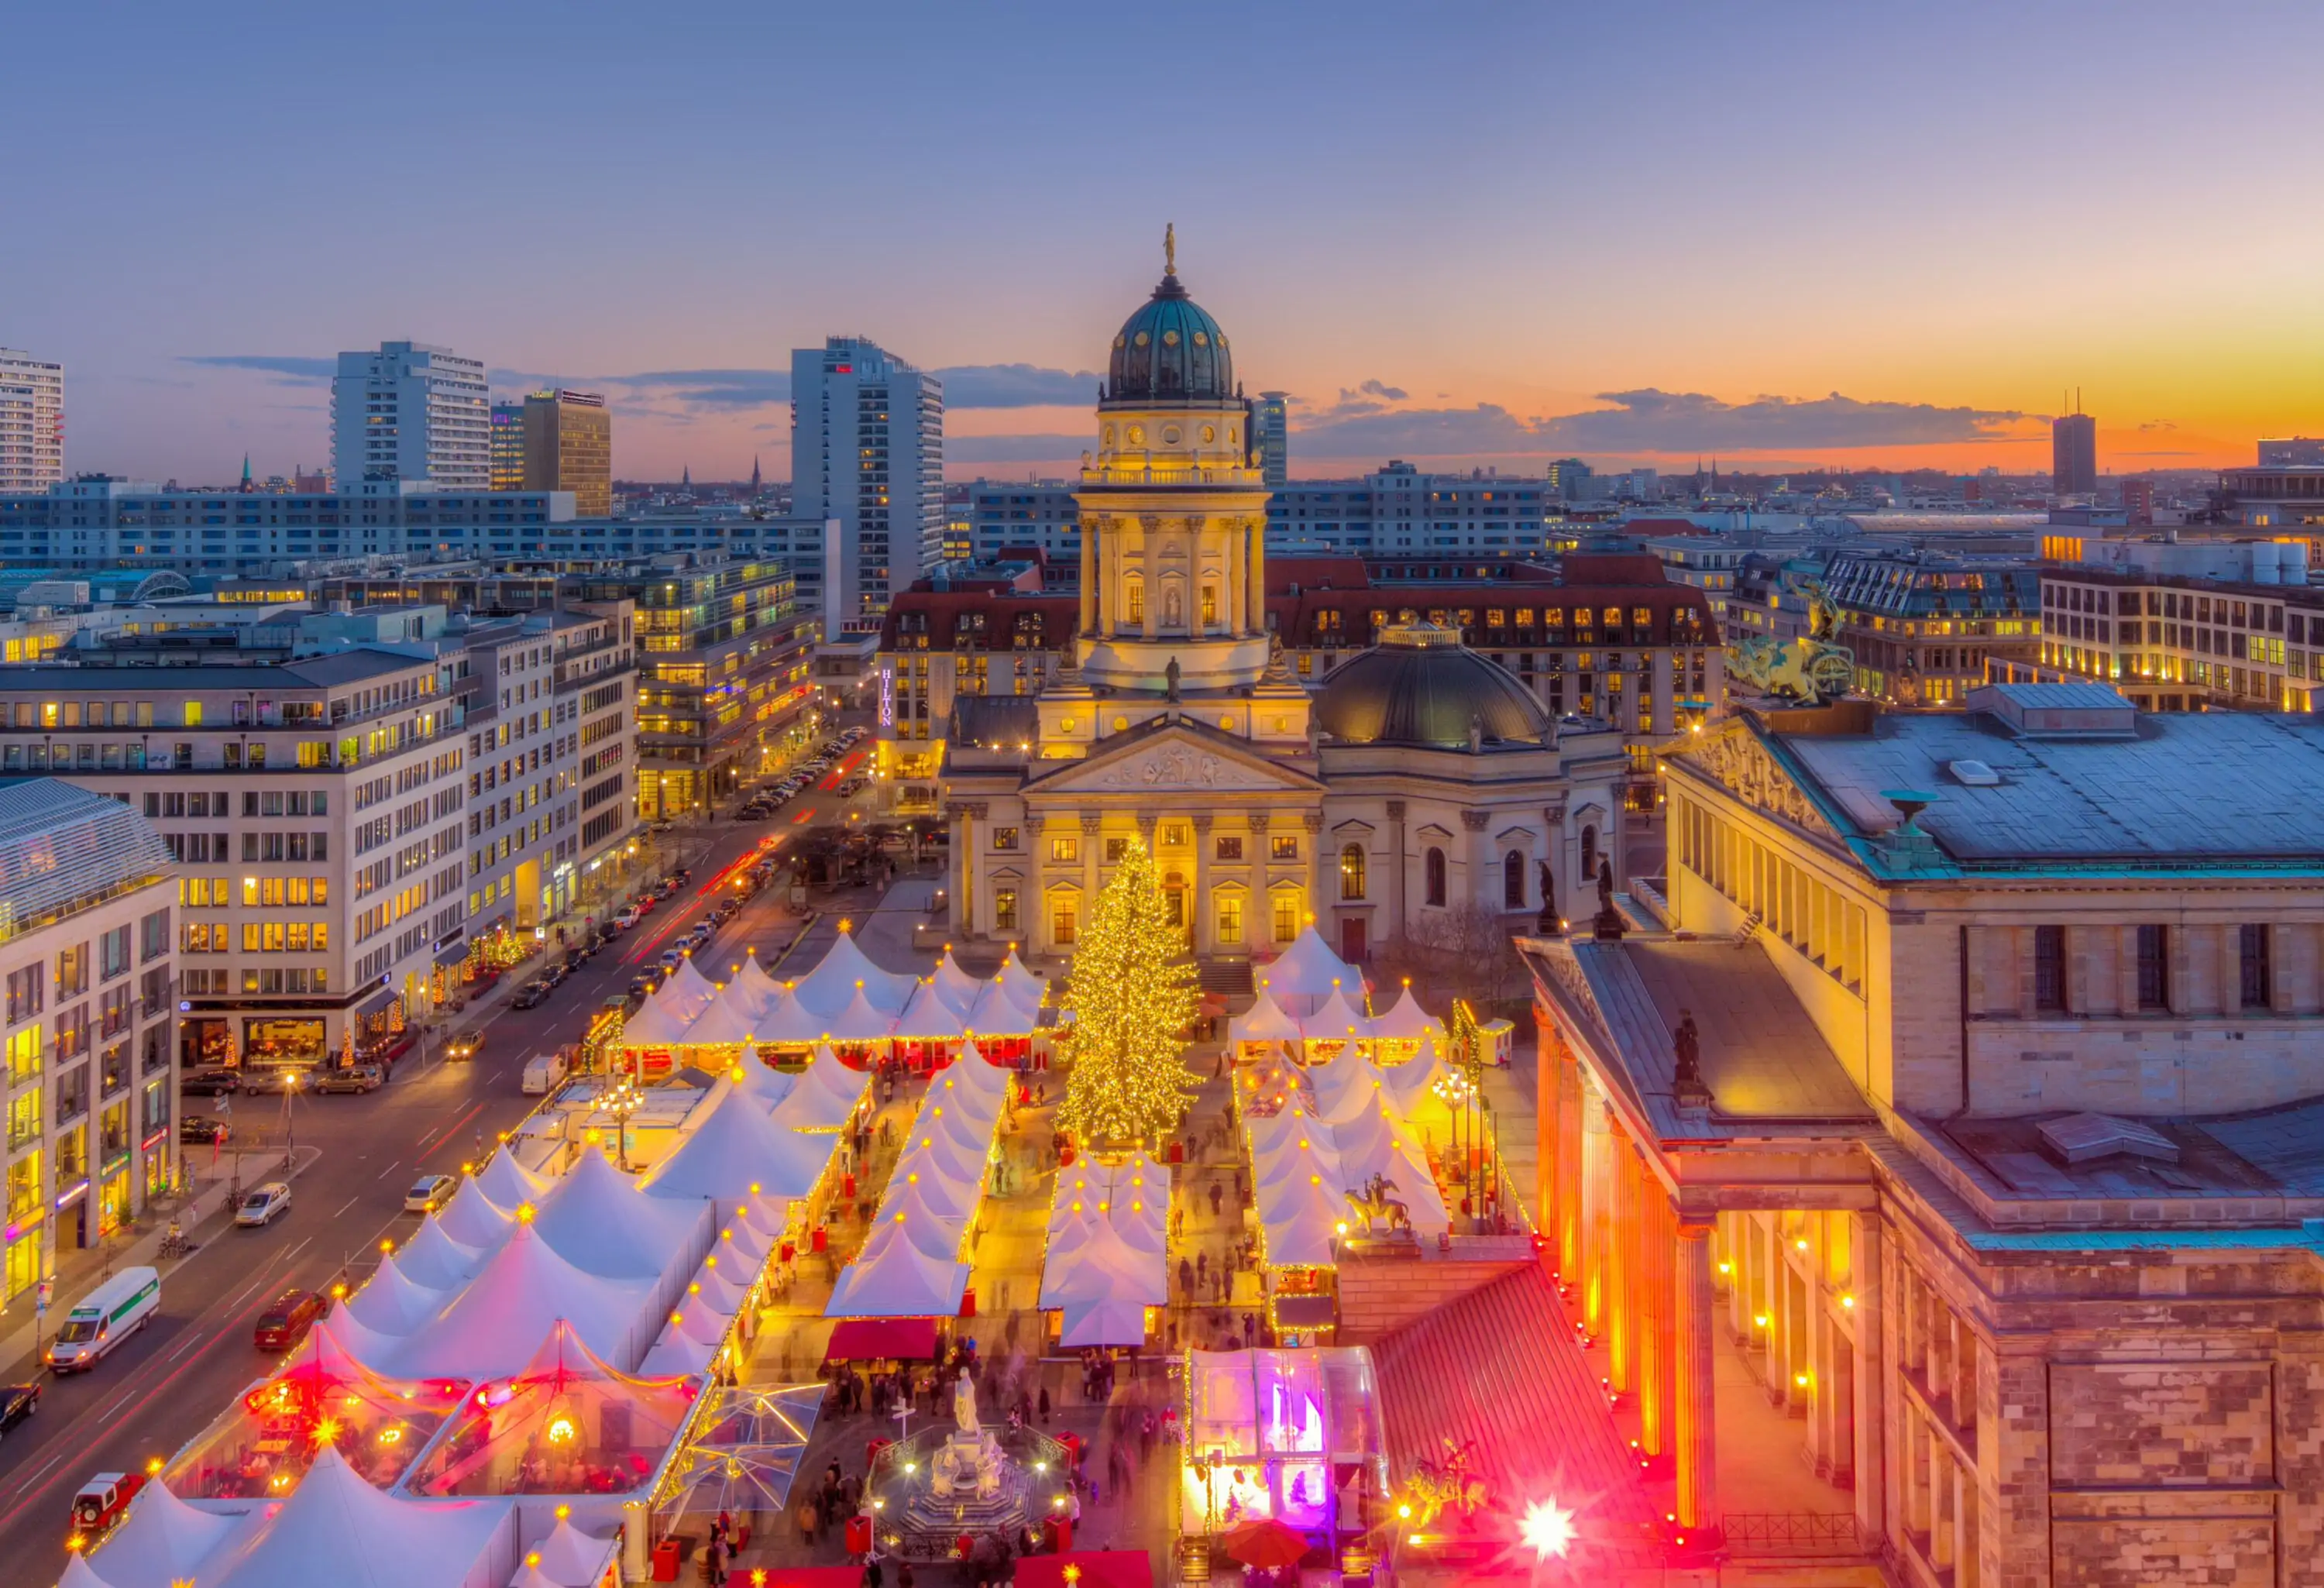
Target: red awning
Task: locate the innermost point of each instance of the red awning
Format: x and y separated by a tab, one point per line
1099	1568
870	1339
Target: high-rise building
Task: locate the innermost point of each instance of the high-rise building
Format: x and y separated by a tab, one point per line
568	446
508	446
2286	452
412	411
1270	434
867	450
2073	455
32	422
1569	479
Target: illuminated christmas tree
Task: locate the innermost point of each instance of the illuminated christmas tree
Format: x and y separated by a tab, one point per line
1131	990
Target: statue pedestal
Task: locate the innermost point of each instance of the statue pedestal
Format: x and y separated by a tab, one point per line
968	1463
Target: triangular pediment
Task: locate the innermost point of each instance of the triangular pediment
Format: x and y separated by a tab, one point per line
1172	757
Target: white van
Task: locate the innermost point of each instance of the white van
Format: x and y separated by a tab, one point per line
542	1074
105	1317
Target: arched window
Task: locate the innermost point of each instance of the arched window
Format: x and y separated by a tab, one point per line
1513	881
1435	869
1588	856
1351	871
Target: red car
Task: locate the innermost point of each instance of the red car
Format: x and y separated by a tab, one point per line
100	1505
283	1325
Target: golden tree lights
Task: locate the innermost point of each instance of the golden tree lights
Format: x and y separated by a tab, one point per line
1133	996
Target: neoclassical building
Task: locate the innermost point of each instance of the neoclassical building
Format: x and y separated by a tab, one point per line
1415	788
1944	1180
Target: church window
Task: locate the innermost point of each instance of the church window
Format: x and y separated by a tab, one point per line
1351	871
1170	435
1286	848
2050	968
1140	339
1174	900
1229	846
1202	339
1210	604
1287	916
1004	837
1174	835
1169	338
1064	849
1004	909
2153	967
1512	888
1590	853
1133	600
1063	920
2258	983
1115	848
1230	932
1306	665
1435	869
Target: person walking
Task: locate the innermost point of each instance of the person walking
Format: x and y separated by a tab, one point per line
1185	1279
1217	1196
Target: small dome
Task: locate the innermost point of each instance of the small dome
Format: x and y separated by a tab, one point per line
1421	686
1170	351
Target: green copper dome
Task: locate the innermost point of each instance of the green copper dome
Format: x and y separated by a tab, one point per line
1420	686
1170	351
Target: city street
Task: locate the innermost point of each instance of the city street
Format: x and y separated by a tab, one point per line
357	1156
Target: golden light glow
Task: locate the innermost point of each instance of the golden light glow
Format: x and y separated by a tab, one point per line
1546	1529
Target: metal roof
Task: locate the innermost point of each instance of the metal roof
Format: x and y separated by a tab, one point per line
64	850
2208	788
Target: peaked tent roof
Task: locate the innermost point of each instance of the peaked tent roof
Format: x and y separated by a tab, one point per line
474	1219
931	1016
392	1302
861	1021
829	987
688	992
756	991
433	1259
1337	1018
893	1278
1302	976
1263	1021
1103	1264
1408	1082
762	1082
726	1020
738	1146
826	1092
653	1025
570	1557
596	1220
507	1183
491	1329
165	1539
1406	1021
957	988
372	1540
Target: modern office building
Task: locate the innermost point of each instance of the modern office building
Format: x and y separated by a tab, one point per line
508	447
315	808
1939	1158
410	412
1270	437
867	450
568	446
2283	452
2194	626
97	524
724	660
32	422
89	1022
2073	455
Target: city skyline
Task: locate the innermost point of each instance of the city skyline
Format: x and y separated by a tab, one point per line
1664	234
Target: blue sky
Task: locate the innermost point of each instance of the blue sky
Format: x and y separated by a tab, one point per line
1469	233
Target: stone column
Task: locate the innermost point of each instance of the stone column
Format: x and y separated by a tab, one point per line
1090	532
1866	1321
1395	875
1319	872
1622	1252
1255	537
1093	844
1658	1230
1198	914
2011	1487
964	834
1597	1203
1695	1422
1567	1206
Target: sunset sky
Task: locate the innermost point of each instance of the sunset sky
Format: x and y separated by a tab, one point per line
1463	233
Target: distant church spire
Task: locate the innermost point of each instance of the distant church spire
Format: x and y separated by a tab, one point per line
754	474
247	486
685	474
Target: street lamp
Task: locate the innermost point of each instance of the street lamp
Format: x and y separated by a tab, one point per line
290	1137
621	1104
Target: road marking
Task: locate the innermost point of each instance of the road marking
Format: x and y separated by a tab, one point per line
349	1202
387	1171
34	1477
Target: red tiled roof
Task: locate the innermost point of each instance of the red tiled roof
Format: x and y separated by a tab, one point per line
1501	1366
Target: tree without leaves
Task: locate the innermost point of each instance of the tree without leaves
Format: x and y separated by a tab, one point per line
1133	996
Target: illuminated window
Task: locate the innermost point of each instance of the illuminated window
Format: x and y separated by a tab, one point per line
1230	932
1063	920
1351	871
1133	600
1287	916
1286	848
1004	909
1435	869
1064	849
1210	604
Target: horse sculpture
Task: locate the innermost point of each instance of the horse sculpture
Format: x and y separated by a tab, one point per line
1449	1483
1377	1206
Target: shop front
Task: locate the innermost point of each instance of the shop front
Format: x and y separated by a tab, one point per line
283	1039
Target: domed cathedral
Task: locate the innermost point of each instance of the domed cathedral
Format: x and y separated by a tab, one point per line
1418	791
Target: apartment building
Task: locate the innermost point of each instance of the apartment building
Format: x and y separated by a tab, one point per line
32	422
866	449
568	446
408	411
316	809
100	524
88	1022
1926	626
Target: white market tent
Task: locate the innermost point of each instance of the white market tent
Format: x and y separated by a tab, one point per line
726	1022
492	1327
571	1558
165	1539
845	970
736	1148
688	992
824	1095
1303	974
433	1259
1101	1320
391	1303
335	1525
507	1183
1337	1019
596	1221
1102	1263
472	1218
1263	1021
894	1278
1406	1021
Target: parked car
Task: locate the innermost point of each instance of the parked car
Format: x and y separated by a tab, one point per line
18	1402
660	824
279	1077
541	1074
361	1078
628	916
642	987
285	1322
209	1081
428	1192
464	1044
532	994
200	1129
262	1205
99	1506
